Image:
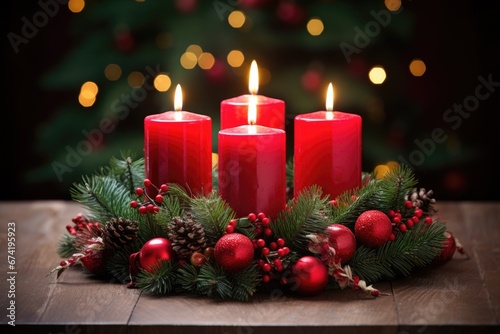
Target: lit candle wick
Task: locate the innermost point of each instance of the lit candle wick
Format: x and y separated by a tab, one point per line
253	81
178	103
329	102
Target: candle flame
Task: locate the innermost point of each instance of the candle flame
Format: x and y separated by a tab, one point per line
252	110
253	82
329	102
178	103
178	98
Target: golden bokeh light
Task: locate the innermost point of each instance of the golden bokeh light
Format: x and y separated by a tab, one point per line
417	67
162	82
113	72
206	60
135	79
392	5
377	75
195	49
236	19
235	58
76	6
189	60
392	165
89	89
315	27
86	102
380	171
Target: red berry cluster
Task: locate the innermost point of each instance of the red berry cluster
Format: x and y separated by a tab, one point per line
144	202
402	222
272	250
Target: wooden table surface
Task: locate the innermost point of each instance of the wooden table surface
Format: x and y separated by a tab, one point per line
462	295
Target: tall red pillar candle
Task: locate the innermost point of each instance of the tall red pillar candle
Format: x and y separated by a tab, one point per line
270	111
252	169
178	149
327	150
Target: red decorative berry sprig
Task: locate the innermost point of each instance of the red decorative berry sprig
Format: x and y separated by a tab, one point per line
271	250
144	202
406	220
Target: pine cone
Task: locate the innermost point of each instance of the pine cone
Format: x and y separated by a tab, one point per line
422	199
119	233
187	236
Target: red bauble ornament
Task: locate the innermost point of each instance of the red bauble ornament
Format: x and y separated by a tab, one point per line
234	252
341	238
95	262
448	249
309	276
373	228
154	251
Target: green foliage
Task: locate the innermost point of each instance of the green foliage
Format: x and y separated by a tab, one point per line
214	214
413	249
160	281
65	247
306	215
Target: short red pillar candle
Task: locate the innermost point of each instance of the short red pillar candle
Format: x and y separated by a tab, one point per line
178	149
270	111
252	169
327	150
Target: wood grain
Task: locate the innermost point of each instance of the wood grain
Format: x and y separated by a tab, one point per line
460	296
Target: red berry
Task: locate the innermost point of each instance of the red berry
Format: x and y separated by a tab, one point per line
266	222
281	252
265	251
334	203
150	207
278	262
252	217
391	213
229	228
134	204
143	210
147	182
159	198
409	223
233	222
198	259
396	220
428	220
402	228
418	212
266	267
139	191
268	232
261	243
156	209
273	246
415	219
280	242
163	188
408	204
266	278
375	293
261	215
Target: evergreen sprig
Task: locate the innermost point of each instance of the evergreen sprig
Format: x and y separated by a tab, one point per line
306	215
127	170
214	214
413	249
160	281
65	247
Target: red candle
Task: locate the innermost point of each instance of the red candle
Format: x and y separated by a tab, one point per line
252	168
178	148
327	150
270	111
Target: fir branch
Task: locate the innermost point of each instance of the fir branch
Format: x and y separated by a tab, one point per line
213	214
104	198
212	281
65	247
118	265
244	283
160	281
307	215
393	187
415	248
187	277
128	171
151	226
289	172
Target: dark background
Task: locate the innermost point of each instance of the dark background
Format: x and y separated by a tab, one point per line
458	40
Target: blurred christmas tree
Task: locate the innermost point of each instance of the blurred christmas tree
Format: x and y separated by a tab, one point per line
128	56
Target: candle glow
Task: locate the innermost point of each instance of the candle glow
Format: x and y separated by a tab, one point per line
253	81
178	103
329	102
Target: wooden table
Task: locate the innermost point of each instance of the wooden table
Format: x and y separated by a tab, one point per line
461	296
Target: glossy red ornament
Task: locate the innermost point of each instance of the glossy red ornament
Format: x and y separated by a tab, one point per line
341	238
447	251
154	251
234	252
309	276
373	228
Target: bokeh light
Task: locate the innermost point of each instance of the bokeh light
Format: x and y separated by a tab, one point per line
377	75
393	5
76	6
188	60
206	60
315	27
135	79
417	67
236	19
235	58
113	72
162	82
